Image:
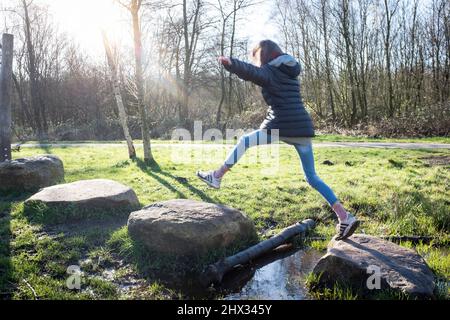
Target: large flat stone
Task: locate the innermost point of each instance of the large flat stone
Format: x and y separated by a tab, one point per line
401	269
87	198
187	227
30	174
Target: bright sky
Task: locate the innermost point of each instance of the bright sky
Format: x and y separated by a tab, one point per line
83	19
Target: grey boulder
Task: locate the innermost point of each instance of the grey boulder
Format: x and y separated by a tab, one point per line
358	260
86	198
31	174
187	227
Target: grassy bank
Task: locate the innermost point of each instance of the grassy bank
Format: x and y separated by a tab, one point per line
393	192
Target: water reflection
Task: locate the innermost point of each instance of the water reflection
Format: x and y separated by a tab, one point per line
280	276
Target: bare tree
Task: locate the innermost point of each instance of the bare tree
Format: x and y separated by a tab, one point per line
344	17
35	98
391	7
367	64
134	7
191	33
118	96
228	12
324	12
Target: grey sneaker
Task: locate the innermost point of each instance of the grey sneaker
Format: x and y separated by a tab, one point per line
209	178
347	228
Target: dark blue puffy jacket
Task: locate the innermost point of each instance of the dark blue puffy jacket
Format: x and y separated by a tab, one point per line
281	91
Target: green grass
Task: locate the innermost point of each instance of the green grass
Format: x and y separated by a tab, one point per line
343	138
393	192
319	138
338	292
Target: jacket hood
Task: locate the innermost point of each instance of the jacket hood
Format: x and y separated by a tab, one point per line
287	64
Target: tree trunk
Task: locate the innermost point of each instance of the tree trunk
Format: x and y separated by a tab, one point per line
387	49
118	97
183	114
348	51
222	76
215	272
33	75
327	61
230	75
135	7
5	97
190	43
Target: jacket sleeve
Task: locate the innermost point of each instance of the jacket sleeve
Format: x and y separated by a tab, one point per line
248	72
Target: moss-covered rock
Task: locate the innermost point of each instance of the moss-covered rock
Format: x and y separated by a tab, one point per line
81	200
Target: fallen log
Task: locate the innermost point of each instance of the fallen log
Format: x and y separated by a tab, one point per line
213	274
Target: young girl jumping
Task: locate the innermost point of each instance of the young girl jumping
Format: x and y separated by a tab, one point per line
277	73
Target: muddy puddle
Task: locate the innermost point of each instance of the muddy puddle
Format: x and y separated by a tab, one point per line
278	276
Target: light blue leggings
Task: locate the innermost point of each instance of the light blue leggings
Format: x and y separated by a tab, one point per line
304	149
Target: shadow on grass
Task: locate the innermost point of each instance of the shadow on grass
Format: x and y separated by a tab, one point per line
182	274
6	290
156	172
52	215
6	207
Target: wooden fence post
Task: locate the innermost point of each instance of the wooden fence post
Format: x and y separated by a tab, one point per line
5	97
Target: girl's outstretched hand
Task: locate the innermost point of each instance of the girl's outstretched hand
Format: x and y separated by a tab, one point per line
225	61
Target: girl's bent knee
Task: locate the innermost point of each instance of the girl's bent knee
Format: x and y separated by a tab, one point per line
314	181
246	141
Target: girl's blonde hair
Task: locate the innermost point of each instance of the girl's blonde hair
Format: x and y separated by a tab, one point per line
269	50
